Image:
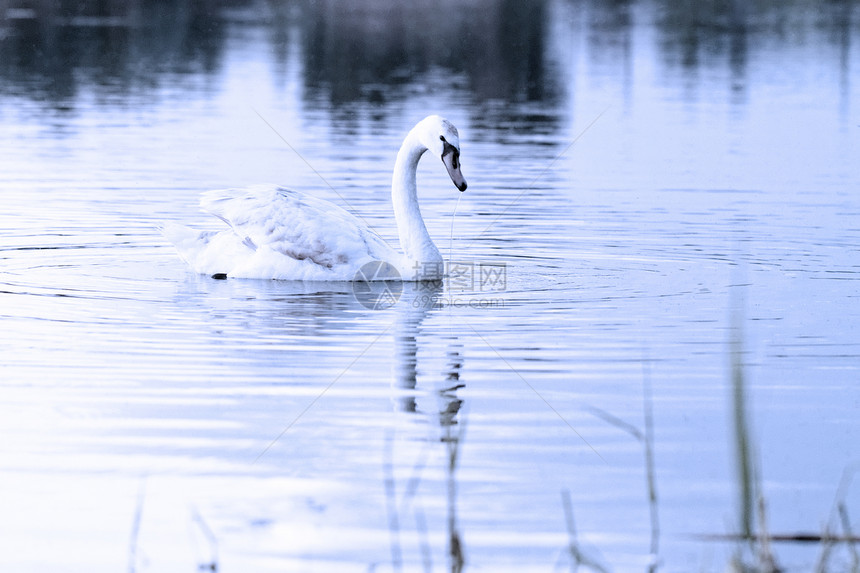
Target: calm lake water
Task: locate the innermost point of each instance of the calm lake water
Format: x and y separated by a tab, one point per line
655	178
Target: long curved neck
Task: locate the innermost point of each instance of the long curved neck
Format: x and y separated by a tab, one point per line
414	238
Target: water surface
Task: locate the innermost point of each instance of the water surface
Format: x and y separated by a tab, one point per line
655	180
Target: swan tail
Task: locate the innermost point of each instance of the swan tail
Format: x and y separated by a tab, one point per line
189	243
207	252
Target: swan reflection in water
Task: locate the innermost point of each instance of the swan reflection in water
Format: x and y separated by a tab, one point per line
417	302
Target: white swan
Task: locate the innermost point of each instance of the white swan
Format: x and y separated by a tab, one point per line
278	233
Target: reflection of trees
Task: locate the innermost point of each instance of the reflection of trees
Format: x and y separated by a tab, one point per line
694	35
371	50
375	52
365	50
52	49
692	32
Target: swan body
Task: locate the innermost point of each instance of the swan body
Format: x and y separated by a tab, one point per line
279	233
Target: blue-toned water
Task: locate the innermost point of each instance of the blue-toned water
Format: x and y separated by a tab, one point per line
654	178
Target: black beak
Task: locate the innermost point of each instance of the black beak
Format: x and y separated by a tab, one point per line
451	159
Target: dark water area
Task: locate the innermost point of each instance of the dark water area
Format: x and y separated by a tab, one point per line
375	54
670	186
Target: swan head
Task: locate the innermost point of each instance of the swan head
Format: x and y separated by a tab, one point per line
440	137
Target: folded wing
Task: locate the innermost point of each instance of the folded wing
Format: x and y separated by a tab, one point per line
295	225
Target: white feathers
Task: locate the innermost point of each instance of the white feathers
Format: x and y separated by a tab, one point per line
278	233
